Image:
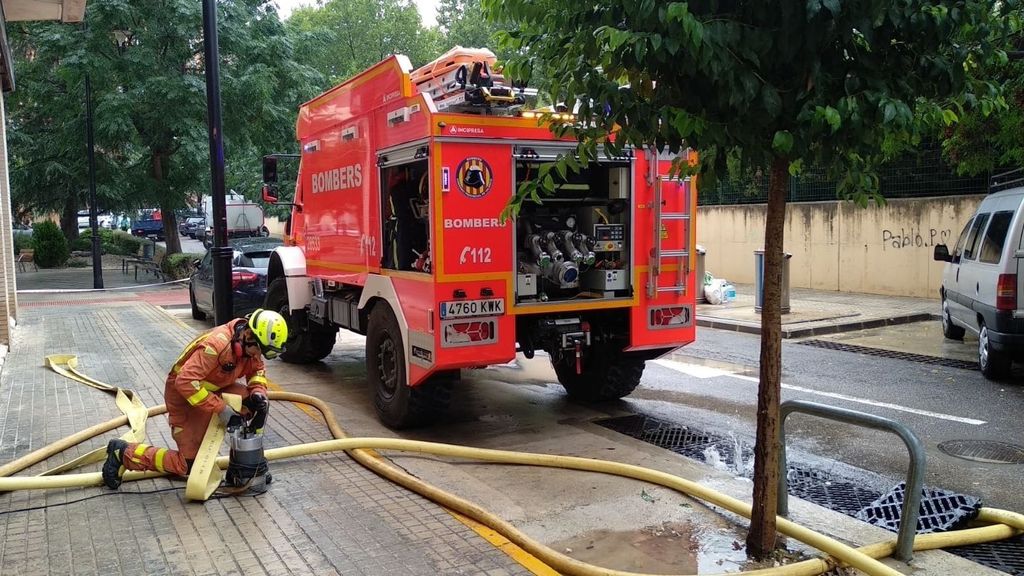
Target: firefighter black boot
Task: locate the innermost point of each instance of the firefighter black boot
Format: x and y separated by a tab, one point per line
113	467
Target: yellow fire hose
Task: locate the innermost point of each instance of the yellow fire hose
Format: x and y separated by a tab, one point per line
1001	524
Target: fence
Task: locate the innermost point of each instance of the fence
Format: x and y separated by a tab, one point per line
917	175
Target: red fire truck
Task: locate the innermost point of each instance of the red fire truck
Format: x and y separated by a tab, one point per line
396	233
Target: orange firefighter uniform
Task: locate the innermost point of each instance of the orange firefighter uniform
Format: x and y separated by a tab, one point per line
210	365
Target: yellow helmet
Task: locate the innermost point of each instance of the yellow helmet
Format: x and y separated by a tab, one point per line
270	330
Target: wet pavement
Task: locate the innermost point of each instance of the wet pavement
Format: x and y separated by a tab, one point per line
326	514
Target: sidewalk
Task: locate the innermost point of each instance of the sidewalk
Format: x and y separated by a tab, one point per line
818	312
324	514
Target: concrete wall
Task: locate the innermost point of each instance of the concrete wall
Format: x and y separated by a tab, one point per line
8	281
840	246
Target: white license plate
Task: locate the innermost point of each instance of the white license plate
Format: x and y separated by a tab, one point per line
468	308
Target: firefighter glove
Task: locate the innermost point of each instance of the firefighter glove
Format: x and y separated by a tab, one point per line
229	418
258	401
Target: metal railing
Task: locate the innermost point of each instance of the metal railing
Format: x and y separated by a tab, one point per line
915	473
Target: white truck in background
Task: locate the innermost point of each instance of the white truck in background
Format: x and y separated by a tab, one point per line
244	218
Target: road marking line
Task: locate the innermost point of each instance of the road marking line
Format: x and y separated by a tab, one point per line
699	371
524	558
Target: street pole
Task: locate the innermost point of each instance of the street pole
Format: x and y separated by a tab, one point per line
221	252
97	261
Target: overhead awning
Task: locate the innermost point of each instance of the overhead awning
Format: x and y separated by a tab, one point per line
63	10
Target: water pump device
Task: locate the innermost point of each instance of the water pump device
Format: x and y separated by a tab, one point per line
247	473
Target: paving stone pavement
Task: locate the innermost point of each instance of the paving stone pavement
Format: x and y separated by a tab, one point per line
323	514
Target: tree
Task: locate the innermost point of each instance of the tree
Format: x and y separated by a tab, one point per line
341	38
145	61
772	84
461	23
981	142
46	133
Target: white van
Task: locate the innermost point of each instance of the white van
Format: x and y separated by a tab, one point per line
984	275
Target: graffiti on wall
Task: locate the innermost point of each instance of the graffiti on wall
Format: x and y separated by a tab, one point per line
913	237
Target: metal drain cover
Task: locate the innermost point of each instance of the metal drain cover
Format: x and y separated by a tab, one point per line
987	451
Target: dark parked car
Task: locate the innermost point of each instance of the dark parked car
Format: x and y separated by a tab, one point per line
189	226
248	277
149	229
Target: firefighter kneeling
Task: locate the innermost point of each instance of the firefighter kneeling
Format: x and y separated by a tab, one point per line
224	359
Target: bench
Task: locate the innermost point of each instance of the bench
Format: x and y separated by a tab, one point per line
27	256
147	266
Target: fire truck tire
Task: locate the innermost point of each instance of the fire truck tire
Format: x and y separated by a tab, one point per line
399	405
306	344
605	376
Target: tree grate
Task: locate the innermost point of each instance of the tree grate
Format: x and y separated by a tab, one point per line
940	510
881	353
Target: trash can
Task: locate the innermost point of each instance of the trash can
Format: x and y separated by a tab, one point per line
700	275
148	250
759	281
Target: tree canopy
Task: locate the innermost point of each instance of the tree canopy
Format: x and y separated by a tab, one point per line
145	62
771	84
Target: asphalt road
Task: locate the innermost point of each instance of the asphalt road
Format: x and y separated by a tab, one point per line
938	403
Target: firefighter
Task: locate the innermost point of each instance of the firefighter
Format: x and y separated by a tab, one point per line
224	359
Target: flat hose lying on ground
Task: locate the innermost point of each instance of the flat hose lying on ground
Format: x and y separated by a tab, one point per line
1005	524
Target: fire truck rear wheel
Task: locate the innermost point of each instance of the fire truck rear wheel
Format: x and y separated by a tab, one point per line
605	375
399	405
307	342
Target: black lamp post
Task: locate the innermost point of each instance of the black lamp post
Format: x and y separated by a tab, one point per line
221	252
97	261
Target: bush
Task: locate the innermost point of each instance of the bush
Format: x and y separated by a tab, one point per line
177	266
50	245
78	263
22	242
111	242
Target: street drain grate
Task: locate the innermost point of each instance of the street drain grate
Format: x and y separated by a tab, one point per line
988	451
881	353
826	489
1004	555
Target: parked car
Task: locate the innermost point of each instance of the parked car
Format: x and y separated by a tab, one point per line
189	225
103	220
982	288
149	229
248	277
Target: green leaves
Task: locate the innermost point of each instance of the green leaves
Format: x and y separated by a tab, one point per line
782	143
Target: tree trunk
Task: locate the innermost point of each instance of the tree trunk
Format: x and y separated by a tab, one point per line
171	240
69	218
761	539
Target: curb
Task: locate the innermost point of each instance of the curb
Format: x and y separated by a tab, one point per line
748	328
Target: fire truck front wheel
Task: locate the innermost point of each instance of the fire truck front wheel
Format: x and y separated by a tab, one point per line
399	405
604	375
307	342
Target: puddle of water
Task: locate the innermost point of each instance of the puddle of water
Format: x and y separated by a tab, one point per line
669	548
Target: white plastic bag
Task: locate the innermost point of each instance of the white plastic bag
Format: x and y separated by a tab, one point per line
714	292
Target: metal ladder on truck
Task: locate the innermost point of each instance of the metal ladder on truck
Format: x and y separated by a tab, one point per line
659	256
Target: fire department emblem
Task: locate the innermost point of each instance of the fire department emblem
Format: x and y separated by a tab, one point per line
474	177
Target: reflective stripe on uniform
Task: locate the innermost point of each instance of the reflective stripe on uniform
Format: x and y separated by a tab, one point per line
258	380
209	386
188	352
159	460
198	397
139	451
